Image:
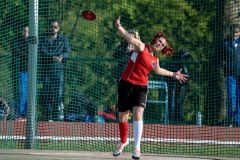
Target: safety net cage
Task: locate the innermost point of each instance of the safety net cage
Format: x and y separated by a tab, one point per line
61	61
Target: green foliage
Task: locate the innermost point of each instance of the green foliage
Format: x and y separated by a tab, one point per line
90	69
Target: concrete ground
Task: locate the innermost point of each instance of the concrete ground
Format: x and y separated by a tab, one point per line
16	154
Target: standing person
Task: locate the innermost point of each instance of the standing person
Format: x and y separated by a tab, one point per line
231	62
133	85
124	51
177	91
55	48
20	63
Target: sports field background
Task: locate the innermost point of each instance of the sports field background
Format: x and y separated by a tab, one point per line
71	155
92	72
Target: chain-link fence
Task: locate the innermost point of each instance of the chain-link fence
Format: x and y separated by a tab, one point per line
60	71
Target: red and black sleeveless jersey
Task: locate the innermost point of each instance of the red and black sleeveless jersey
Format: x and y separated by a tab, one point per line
138	67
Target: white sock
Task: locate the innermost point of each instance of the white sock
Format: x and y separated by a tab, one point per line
137	133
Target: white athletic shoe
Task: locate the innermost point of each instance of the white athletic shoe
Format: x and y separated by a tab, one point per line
120	148
136	154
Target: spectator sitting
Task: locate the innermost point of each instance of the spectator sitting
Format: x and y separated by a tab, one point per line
109	114
81	109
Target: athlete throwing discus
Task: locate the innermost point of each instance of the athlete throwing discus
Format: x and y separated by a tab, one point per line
133	84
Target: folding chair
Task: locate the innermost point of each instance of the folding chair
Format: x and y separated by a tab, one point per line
160	85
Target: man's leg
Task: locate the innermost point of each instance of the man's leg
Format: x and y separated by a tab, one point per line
58	105
47	98
237	109
231	97
25	88
23	94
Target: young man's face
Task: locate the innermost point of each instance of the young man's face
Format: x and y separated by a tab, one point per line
54	27
236	33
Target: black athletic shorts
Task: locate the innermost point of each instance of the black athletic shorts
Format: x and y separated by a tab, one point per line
131	95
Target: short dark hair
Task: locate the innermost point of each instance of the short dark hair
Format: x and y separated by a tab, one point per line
54	20
233	27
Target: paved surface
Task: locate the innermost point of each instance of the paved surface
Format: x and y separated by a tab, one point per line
7	154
